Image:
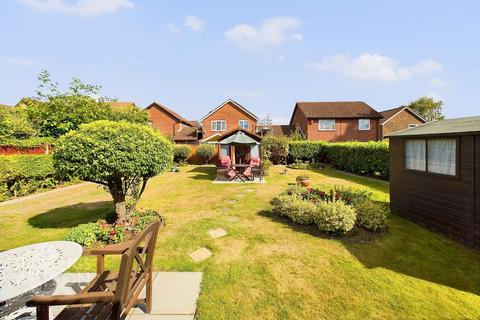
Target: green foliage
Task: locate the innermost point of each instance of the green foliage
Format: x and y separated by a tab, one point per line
296	136
130	113
294	207
110	233
181	152
119	155
141	219
371	216
14	123
335	217
306	151
428	108
303	176
275	148
206	152
352	196
265	164
84	234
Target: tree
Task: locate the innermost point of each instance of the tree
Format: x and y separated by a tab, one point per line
428	108
206	152
275	148
14	123
121	156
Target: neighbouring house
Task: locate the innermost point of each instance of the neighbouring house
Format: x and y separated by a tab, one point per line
170	123
336	121
122	104
278	130
240	145
398	119
435	177
228	116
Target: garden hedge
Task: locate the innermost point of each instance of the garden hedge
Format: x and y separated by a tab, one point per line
34	142
366	158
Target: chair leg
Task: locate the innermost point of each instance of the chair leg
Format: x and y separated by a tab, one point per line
42	313
148	295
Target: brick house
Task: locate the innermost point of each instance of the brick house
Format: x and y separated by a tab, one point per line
336	121
172	124
398	119
228	116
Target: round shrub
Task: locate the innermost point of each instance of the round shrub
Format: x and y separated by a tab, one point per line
371	216
206	152
292	206
335	217
275	148
84	234
181	152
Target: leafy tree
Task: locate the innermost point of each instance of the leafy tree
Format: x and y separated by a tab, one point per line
206	152
428	108
275	148
129	113
121	156
14	123
296	135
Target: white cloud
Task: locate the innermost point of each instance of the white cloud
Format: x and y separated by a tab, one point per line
78	7
195	23
438	82
372	66
271	32
173	29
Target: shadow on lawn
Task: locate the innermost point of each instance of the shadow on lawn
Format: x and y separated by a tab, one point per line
71	216
409	249
204	173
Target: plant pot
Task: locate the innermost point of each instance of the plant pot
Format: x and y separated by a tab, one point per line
304	182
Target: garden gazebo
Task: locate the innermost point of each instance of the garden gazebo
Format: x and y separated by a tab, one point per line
240	145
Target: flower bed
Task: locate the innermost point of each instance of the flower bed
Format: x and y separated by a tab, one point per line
337	211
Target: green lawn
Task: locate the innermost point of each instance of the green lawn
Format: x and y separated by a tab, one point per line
268	268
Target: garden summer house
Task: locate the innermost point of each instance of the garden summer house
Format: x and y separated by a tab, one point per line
240	145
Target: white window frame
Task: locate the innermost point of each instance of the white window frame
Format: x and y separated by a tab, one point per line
214	125
360	125
423	168
240	124
428	160
326	128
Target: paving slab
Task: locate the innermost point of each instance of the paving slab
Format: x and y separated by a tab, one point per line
232	218
217	233
200	254
225	209
231	201
240	195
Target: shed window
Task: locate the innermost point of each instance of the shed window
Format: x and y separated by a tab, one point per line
219	125
442	156
243	124
326	124
415	155
363	124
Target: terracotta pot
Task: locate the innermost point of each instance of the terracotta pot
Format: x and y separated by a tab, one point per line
304	182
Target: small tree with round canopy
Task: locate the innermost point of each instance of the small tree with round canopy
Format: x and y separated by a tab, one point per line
121	156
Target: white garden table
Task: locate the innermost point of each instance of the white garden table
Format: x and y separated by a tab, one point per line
26	268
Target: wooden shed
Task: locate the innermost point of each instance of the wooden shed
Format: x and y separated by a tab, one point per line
435	177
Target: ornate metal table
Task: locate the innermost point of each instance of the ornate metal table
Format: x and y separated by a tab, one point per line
27	270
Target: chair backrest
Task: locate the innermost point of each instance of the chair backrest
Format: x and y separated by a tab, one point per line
225	161
254	162
135	269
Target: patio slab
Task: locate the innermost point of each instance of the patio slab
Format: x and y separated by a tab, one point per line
200	254
175	294
217	233
232	218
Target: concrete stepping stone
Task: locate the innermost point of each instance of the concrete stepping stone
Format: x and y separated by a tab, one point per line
232	218
249	190
200	254
224	209
240	195
231	201
217	233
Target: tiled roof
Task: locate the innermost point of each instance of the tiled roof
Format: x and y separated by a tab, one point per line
283	130
388	114
337	109
467	125
171	112
186	133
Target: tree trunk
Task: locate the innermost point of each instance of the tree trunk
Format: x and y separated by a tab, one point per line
118	195
121	209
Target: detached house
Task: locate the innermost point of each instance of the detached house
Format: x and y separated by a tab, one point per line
228	116
172	124
398	119
336	121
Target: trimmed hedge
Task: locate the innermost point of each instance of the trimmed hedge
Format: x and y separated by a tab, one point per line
365	158
24	174
27	143
181	152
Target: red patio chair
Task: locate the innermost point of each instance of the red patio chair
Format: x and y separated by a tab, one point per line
253	168
225	168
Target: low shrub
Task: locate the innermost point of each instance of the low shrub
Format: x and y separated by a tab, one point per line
371	216
206	152
334	217
110	233
181	152
275	149
352	196
84	234
265	165
306	151
141	219
294	207
27	143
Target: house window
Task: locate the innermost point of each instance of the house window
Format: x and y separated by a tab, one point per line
442	156
219	125
363	124
326	124
415	155
243	124
432	155
412	125
150	123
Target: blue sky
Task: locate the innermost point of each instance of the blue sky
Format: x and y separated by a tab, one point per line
192	55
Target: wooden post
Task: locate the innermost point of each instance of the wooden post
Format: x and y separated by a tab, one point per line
42	313
100	263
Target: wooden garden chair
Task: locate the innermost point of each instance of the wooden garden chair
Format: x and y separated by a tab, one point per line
110	295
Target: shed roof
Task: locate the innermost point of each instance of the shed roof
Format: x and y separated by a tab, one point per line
337	109
459	126
391	113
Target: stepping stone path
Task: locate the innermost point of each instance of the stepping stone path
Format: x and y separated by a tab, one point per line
217	233
200	254
240	195
231	201
232	218
249	190
225	209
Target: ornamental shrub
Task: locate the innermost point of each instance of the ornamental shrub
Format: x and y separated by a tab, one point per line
206	152
121	156
352	196
275	148
84	234
294	207
181	152
371	216
311	151
335	217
